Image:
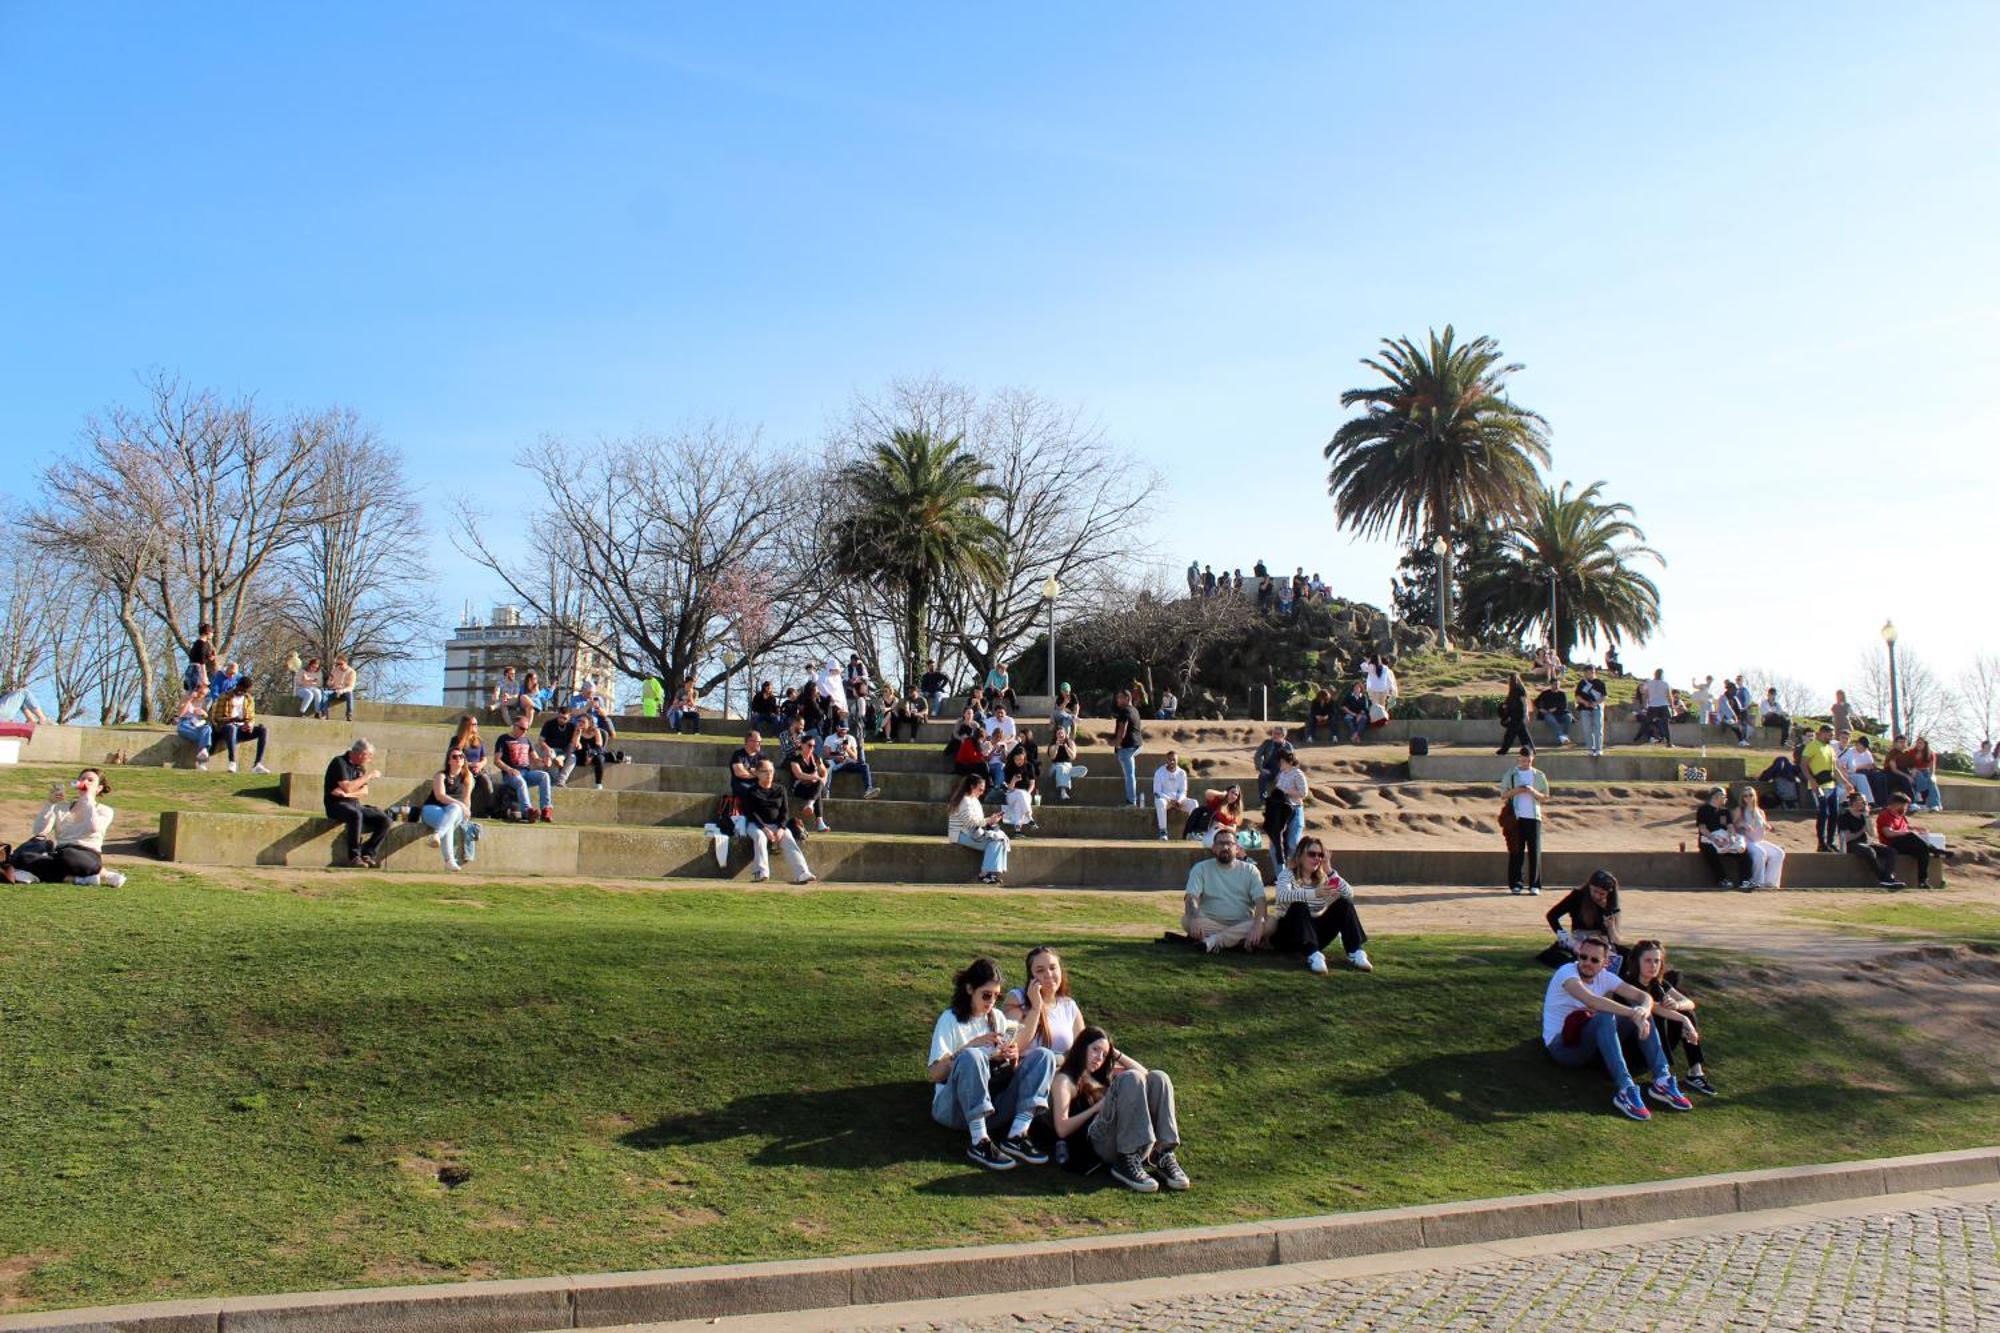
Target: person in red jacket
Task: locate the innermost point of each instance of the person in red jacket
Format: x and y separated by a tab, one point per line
1894	830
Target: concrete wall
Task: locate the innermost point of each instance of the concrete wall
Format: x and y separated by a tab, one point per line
1570	766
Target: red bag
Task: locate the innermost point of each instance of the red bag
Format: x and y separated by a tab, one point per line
1574	1024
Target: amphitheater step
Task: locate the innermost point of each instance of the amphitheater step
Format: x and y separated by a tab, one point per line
1572	766
569	850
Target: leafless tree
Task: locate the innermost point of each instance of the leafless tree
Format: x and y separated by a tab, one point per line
354	585
1158	630
1979	697
1797	698
1927	704
645	530
1072	503
29	616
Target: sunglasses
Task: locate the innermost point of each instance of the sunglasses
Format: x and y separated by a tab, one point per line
1314	854
988	994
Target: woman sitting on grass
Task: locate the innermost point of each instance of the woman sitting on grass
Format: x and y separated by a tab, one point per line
1103	1110
1591	908
447	809
1726	851
1767	858
1316	909
67	839
981	1078
1673	1013
1063	768
968	825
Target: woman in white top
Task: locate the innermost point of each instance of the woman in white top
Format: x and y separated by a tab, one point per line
305	687
982	1079
1380	682
969	825
1316	908
1285	807
1858	760
1043	1007
1985	764
67	841
1767	858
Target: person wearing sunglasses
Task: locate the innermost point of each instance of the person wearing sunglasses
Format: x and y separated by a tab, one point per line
980	1075
1316	909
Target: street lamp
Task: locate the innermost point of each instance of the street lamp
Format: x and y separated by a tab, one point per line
1441	549
1050	591
1552	608
1895	710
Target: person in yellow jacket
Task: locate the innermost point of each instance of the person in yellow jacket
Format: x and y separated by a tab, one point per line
234	719
652	696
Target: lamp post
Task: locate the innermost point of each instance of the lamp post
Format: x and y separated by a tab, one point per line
1895	709
1441	549
1050	591
1552	608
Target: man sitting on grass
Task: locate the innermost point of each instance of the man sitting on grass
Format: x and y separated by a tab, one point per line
1225	900
1585	1011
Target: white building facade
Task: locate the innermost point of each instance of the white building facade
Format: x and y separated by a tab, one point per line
476	654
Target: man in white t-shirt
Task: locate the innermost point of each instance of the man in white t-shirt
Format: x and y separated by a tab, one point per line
1585	1013
1170	791
1657	698
1000	727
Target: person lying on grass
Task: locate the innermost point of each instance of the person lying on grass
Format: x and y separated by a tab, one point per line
1316	909
1586	1011
1225	907
979	1073
1104	1110
66	841
1673	1013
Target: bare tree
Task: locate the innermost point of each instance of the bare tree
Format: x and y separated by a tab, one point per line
1979	697
1071	507
29	614
88	649
352	584
1926	702
645	531
105	529
1796	697
1157	630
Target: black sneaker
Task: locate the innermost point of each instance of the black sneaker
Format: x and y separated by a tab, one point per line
1168	1168
1130	1171
983	1153
1021	1150
1700	1083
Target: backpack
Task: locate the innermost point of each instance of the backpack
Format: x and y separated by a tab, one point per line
1198	821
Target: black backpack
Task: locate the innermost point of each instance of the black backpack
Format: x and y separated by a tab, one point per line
1198	822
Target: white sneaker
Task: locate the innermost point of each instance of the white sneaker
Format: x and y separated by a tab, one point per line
433	839
201	759
88	881
201	766
1360	960
232	766
1316	963
871	793
259	768
112	879
23	877
450	864
598	787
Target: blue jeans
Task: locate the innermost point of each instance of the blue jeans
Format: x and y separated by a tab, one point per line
1128	760
308	697
935	698
446	821
1558	723
1601	1042
1925	791
538	778
992	849
1288	837
327	697
967	1094
858	766
1591	722
15	705
198	734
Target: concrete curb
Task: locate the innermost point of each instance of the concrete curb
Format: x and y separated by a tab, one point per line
610	1299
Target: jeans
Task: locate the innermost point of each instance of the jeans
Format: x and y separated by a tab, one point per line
1558	723
1128	759
1356	724
233	732
1601	1041
760	849
1285	838
1314	725
327	697
969	1092
992	849
1825	822
1524	854
1925	791
16	704
1138	1114
861	766
198	734
538	778
308	697
446	821
1591	721
935	698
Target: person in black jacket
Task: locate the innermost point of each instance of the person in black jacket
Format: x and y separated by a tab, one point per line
1721	846
1514	717
764	817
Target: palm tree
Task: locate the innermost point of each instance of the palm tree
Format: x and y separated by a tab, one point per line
1438	446
915	523
1590	549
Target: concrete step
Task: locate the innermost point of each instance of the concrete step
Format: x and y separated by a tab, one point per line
1574	766
569	850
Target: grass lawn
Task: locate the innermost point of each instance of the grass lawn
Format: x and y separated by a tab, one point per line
1968	923
250	1083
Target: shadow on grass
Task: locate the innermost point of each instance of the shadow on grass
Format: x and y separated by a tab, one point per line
861	1128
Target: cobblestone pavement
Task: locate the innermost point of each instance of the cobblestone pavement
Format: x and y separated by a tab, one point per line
1930	1269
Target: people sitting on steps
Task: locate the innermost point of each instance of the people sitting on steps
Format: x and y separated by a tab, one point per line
590	747
1645	969
522	775
191	724
1590	696
1319	716
1552	708
341	683
933	685
1224	905
1017	800
1588	1012
968	825
743	763
1853	828
1591	908
1063	768
1922	763
1895	832
1167	705
1316	910
66	839
1655	699
807	774
1524	790
764	817
1985	762
19	704
1225	811
1774	717
1858	762
1170	792
982	1081
999	688
342	794
1354	712
842	752
1787	781
447	811
558	743
1767	858
234	718
506	696
1103	1110
1065	712
307	687
1726	851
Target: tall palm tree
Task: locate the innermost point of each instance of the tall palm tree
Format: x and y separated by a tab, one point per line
1440	445
915	522
1590	548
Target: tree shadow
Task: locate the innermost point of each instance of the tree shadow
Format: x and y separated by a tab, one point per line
858	1128
1489	1087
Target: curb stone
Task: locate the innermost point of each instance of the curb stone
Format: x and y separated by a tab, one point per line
610	1299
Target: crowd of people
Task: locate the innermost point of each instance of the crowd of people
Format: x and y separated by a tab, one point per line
1273	593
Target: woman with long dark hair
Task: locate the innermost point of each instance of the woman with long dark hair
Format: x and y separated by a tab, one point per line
968	825
1514	716
1673	1013
1316	909
66	841
1105	1111
981	1078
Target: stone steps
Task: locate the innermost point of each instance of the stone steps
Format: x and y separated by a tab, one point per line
587	852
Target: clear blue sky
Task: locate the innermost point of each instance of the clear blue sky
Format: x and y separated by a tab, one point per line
1746	252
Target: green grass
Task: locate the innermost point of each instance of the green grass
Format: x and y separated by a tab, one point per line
1963	922
247	1084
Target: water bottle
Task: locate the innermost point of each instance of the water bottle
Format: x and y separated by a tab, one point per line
1704	750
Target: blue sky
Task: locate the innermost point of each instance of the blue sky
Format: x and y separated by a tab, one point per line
1745	252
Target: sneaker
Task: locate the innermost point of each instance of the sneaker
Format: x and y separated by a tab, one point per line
1892	883
1163	835
87	881
433	839
1130	1171
259	768
201	760
1515	889
1534	890
1021	1150
112	879
871	793
1628	1103
820	827
597	786
983	1153
232	766
758	879
1359	958
548	815
1168	1168
201	765
1700	1083
806	879
1668	1094
358	862
1728	883
1316	963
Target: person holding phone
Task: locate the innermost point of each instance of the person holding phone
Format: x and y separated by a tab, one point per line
981	1077
67	839
1104	1109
